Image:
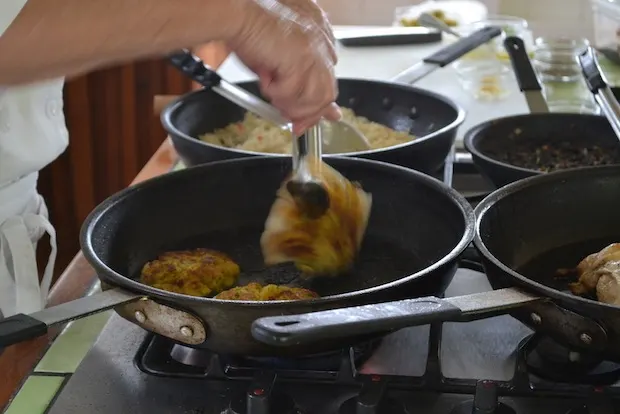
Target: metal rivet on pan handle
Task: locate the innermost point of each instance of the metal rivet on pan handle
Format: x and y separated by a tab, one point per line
165	321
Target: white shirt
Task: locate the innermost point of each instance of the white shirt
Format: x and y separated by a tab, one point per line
32	134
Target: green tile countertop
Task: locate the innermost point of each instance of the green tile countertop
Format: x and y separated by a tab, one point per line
65	354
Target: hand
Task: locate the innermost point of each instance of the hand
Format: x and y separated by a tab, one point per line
293	54
309	9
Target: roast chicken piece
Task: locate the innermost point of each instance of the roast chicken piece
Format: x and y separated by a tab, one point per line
600	273
323	246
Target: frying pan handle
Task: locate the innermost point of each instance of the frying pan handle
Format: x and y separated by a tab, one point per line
194	68
447	55
526	77
459	48
289	330
599	88
19	328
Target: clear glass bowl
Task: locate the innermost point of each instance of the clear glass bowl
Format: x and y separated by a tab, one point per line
574	107
485	80
556	59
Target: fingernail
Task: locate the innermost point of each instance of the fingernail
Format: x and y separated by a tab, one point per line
338	112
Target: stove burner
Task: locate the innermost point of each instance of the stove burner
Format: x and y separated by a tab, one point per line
328	361
160	356
372	400
551	361
260	399
484	401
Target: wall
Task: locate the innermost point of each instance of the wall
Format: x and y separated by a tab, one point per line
113	133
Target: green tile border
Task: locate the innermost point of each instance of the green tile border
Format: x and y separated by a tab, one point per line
36	394
71	346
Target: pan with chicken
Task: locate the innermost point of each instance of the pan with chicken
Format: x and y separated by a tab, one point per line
598	275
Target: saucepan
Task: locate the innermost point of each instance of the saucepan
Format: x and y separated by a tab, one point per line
432	118
417	230
511	148
526	233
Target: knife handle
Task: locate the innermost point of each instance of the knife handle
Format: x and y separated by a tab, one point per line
194	68
451	53
526	77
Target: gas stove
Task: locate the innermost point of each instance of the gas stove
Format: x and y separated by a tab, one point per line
495	365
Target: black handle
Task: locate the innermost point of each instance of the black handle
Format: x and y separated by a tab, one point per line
288	330
591	70
194	68
467	44
19	328
526	77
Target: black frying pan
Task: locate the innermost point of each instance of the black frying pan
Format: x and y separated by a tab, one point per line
491	142
524	233
418	227
429	116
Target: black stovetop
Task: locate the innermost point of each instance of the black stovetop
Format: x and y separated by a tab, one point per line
439	369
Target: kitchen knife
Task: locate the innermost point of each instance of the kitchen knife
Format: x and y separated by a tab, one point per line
388	36
448	54
526	77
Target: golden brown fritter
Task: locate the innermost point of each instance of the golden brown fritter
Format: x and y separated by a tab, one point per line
318	246
256	292
198	272
599	273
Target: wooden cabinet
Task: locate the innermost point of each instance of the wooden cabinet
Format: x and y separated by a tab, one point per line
113	133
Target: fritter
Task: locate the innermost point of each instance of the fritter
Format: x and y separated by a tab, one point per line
256	292
198	272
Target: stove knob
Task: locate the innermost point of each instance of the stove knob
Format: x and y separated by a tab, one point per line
485	398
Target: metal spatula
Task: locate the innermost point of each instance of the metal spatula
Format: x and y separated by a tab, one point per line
338	136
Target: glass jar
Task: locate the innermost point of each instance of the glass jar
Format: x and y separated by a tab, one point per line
556	60
570	98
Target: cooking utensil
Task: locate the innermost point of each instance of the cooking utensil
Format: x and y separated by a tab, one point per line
415	235
431	117
598	86
340	135
305	187
430	21
530	130
516	228
448	54
388	36
527	79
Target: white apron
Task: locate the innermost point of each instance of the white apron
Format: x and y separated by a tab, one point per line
32	134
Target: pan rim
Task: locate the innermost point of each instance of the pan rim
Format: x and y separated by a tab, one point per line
473	134
166	115
124	282
492	199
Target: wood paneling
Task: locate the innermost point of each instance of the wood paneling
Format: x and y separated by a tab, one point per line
113	133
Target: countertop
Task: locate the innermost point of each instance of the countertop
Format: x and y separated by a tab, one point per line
42	377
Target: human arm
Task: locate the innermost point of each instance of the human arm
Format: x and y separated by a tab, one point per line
52	38
292	54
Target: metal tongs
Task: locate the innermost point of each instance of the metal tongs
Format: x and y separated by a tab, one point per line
305	187
599	87
338	136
